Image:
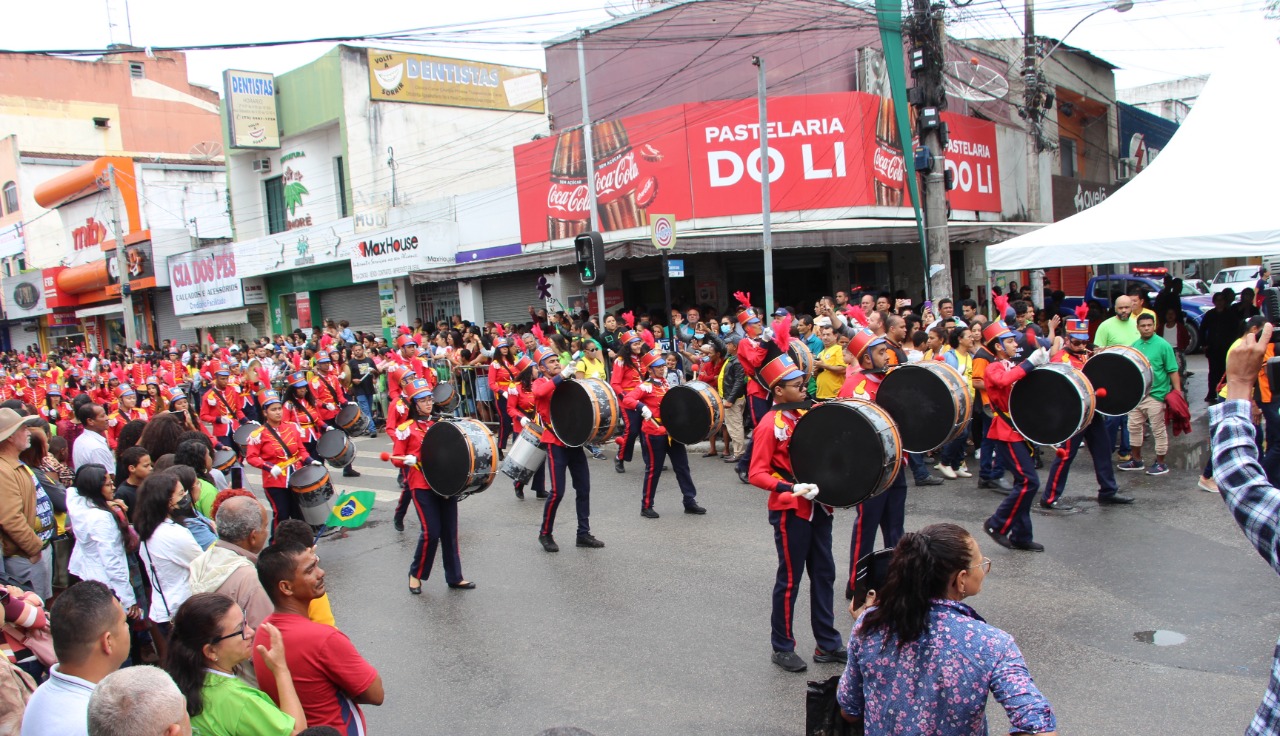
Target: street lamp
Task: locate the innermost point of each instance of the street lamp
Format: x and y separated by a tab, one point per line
1120	6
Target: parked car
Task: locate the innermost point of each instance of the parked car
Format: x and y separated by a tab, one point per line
1194	287
1104	289
1236	278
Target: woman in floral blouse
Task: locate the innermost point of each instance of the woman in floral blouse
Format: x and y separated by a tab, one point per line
922	662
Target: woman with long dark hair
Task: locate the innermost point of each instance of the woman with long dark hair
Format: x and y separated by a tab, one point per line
300	408
103	538
502	376
211	637
167	548
163	434
195	455
921	656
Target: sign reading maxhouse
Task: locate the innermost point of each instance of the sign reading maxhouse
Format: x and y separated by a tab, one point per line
251	109
394	253
435	80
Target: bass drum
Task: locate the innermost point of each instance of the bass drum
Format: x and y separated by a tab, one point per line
692	412
314	492
930	402
336	448
585	412
849	448
801	354
1126	375
1051	404
224	458
459	457
444	398
350	419
525	455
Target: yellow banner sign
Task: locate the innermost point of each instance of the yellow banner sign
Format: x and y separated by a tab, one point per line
434	80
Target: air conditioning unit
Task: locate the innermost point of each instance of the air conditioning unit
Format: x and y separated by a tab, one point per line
1126	168
262	165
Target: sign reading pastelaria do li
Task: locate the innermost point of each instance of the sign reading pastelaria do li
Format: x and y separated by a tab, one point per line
395	252
205	280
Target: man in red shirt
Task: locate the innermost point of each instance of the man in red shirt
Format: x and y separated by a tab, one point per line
657	445
330	676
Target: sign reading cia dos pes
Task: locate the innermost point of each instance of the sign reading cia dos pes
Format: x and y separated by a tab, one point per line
435	80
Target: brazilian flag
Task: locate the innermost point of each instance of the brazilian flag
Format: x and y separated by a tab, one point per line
351	509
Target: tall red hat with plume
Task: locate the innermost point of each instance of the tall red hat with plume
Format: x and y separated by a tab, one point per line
1078	328
778	365
746	313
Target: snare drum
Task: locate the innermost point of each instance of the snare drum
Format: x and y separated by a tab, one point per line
930	402
801	354
350	419
1051	404
224	458
849	448
314	493
1126	375
585	412
527	453
242	433
444	397
692	412
336	448
459	457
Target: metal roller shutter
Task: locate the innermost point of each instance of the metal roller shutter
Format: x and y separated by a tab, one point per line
508	299
167	327
357	304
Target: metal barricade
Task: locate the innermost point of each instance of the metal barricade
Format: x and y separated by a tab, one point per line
475	398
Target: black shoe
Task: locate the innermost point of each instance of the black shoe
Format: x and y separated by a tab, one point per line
350	472
931	480
694	509
398	523
730	458
648	513
836	655
1115	499
1000	539
540	494
742	476
586	540
548	543
618	466
789	661
999	485
519	490
1029	546
468	585
373	433
1058	505
416	589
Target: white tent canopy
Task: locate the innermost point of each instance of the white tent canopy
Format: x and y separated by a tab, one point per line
1212	192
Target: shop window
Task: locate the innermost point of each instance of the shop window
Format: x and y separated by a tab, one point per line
274	191
1068	151
10	198
137	70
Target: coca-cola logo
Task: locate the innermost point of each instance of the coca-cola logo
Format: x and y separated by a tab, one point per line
568	197
613	176
889	165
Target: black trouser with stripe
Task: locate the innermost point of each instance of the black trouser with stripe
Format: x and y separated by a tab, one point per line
574	460
656	448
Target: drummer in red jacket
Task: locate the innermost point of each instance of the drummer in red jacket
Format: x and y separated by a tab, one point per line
753	352
885	512
624	377
438	514
222	405
278	449
656	444
801	526
562	458
1010	526
330	399
522	410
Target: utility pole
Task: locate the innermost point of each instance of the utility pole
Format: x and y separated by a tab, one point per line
929	97
591	174
1032	100
122	264
766	237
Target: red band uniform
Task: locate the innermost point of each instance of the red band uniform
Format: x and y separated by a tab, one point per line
752	354
123	414
278	449
330	399
571	459
656	444
221	406
624	378
522	410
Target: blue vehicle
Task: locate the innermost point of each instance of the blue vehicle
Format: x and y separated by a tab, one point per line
1104	290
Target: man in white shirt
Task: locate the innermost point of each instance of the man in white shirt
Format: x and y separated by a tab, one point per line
91	638
91	446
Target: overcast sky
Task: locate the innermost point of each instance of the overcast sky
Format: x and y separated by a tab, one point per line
1155	41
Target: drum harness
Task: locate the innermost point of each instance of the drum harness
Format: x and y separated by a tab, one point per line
797	406
230	412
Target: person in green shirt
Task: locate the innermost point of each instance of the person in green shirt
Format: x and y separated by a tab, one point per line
210	637
1164	377
1120	329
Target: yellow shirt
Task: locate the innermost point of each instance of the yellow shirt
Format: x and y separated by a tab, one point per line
591	368
320	611
829	382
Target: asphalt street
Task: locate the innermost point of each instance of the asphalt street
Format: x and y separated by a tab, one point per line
666	630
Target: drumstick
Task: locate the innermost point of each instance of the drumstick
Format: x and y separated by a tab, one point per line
388	457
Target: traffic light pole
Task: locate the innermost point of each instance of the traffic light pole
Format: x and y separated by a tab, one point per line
591	168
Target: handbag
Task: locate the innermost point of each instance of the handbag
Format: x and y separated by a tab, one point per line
822	712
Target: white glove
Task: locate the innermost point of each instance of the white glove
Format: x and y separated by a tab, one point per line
568	371
112	422
807	491
330	407
276	472
767	333
410	460
524	422
513	391
225	420
646	387
646	412
1039	357
316	462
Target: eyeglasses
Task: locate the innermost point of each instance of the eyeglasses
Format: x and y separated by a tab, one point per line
241	632
985	565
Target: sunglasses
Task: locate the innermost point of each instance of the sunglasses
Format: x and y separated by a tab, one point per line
240	631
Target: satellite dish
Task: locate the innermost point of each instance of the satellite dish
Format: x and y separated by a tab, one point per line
970	80
620	8
206	150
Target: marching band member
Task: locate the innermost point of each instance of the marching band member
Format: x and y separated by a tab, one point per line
399	376
502	376
222	406
801	526
572	459
438	514
626	375
1074	353
278	448
152	398
1010	526
752	352
408	357
886	512
53	411
300	408
32	393
126	411
656	445
330	399
181	407
522	409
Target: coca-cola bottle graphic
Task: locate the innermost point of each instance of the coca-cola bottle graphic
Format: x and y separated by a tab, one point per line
888	169
617	179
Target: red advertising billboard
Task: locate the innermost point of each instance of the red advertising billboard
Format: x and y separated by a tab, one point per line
831	151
